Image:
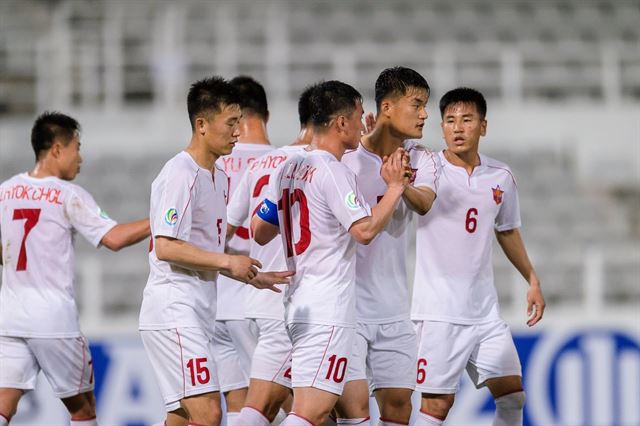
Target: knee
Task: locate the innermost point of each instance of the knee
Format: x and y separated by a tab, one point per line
395	408
511	401
437	405
81	407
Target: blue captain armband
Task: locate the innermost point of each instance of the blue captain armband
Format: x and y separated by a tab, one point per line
268	212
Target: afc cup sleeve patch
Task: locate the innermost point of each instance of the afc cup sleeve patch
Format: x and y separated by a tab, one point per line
352	201
171	217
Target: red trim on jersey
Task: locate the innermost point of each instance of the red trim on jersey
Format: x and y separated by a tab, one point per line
259	412
184	386
302	417
432	415
506	170
283	364
435	172
323	355
393	421
82	419
188	201
84	355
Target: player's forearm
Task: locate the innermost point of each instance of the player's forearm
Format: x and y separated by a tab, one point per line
230	231
419	199
513	247
188	256
364	232
126	234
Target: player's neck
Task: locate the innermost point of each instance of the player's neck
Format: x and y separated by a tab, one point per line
304	137
44	169
382	141
253	130
330	144
201	155
467	160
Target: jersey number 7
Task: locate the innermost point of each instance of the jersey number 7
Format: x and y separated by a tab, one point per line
31	216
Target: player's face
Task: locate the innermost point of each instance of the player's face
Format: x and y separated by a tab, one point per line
407	113
222	130
69	160
462	128
355	126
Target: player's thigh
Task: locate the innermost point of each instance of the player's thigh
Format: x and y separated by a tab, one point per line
443	352
18	365
392	356
320	356
495	355
9	398
183	363
272	355
66	363
233	373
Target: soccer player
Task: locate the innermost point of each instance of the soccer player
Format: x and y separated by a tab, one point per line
322	214
188	223
234	342
39	213
455	305
270	373
385	341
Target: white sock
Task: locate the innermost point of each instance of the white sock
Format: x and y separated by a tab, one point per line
251	416
295	420
3	420
279	417
232	418
509	410
361	421
390	423
162	423
425	419
88	422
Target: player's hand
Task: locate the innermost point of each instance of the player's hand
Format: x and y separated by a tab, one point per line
393	169
268	280
535	304
243	268
369	123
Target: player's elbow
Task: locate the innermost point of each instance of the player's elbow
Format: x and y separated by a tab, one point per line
363	236
113	240
263	232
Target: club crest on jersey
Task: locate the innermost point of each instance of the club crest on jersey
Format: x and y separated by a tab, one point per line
103	214
351	201
497	194
171	217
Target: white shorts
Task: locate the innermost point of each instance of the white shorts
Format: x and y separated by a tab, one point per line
272	356
234	344
65	362
385	355
320	356
183	362
486	350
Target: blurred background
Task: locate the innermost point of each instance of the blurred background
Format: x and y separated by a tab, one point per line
562	81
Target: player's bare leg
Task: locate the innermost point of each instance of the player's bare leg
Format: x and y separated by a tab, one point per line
9	399
235	400
354	401
434	408
177	417
82	407
203	409
395	404
509	396
312	405
267	397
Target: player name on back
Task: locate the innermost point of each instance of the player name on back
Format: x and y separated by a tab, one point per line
28	192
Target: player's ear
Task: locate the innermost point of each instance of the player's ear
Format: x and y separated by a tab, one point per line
385	107
483	128
341	122
200	125
56	148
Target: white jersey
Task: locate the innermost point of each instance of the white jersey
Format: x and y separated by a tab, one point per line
382	288
187	203
243	205
318	202
38	219
232	293
454	242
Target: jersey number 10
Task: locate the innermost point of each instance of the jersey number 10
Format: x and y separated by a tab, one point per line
286	202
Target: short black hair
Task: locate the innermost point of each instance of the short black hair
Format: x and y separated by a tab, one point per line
464	95
210	95
49	126
304	105
331	98
396	81
253	99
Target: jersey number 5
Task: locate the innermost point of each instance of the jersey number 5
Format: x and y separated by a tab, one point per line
31	217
